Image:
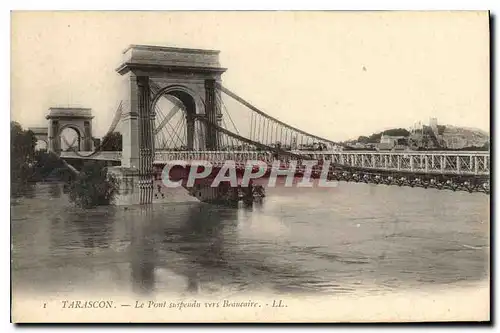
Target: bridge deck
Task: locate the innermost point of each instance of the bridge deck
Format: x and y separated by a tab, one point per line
103	156
429	162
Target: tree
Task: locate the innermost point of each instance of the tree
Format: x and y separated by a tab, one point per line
375	137
22	143
441	129
49	166
363	139
397	132
93	186
112	142
22	155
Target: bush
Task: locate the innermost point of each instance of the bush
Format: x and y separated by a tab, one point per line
397	132
22	149
47	166
112	142
93	186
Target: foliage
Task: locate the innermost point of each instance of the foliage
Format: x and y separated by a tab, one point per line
396	132
441	129
112	142
23	143
375	137
49	166
363	139
350	148
22	155
93	186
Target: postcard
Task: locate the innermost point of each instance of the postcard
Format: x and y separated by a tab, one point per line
256	167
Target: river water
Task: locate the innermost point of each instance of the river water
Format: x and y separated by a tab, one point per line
351	238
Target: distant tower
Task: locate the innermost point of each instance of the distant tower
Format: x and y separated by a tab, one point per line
433	124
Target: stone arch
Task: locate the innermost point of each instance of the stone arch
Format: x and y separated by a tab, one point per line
74	127
188	97
45	141
41	134
78	130
192	103
78	119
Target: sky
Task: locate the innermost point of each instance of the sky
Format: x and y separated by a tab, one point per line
334	74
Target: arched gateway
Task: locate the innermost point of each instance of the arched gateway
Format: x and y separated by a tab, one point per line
188	76
41	135
78	119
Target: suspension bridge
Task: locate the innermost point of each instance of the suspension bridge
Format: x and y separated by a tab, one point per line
175	107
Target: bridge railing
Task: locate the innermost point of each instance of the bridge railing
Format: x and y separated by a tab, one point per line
216	157
446	162
472	163
103	155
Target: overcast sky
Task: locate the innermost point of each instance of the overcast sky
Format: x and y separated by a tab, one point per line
337	75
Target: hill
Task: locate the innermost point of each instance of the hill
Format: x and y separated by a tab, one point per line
375	137
460	137
450	137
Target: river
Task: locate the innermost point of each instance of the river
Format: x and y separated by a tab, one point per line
348	239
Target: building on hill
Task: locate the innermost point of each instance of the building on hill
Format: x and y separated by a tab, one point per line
385	146
390	139
433	124
389	142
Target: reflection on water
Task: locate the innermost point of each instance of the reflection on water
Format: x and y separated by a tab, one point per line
55	190
144	256
352	238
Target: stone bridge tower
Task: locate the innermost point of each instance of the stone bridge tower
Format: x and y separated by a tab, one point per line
78	119
150	72
190	75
